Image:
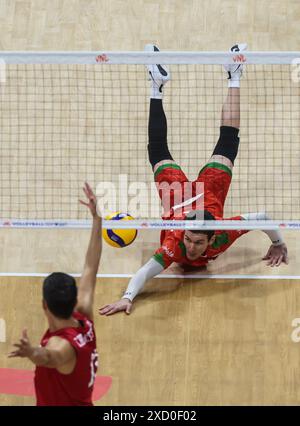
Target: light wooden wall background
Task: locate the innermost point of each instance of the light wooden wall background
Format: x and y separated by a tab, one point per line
255	361
176	24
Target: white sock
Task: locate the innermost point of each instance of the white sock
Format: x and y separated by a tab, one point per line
155	93
234	83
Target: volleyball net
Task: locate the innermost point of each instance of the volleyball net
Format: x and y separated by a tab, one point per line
71	117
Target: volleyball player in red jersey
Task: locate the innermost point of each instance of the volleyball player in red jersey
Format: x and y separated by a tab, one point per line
194	248
67	359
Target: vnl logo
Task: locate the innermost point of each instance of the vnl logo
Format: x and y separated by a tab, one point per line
239	58
295	336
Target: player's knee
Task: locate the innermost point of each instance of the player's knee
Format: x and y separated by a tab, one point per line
158	152
228	143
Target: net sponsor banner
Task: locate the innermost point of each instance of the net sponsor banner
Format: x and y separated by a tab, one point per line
129	57
155	224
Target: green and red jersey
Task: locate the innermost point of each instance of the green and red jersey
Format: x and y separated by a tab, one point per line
216	178
173	249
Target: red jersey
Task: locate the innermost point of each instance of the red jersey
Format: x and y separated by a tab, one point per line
173	249
216	179
54	388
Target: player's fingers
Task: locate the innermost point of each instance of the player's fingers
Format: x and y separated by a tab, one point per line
84	203
106	310
104	307
279	260
17	345
274	261
286	260
89	189
103	312
267	256
128	309
24	334
86	188
270	261
86	192
114	309
16	351
111	312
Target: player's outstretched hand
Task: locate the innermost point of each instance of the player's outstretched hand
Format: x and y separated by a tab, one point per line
24	348
91	202
276	255
121	305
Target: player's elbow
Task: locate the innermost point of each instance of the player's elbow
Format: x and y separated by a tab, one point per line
48	359
55	360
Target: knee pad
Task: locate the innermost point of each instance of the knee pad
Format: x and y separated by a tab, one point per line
158	152
228	143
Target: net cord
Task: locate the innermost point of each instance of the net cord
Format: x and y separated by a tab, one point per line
155	224
143	58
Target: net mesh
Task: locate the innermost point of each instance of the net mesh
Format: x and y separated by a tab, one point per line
62	125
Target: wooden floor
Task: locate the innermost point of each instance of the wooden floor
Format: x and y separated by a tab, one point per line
187	342
47	250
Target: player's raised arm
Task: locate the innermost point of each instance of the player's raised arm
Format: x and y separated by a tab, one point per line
86	288
277	252
136	284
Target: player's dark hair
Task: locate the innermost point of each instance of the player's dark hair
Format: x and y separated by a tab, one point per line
201	215
60	294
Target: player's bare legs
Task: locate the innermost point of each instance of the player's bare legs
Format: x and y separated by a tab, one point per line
230	119
227	146
231	109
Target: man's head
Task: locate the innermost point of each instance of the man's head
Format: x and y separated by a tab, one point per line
197	241
60	295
